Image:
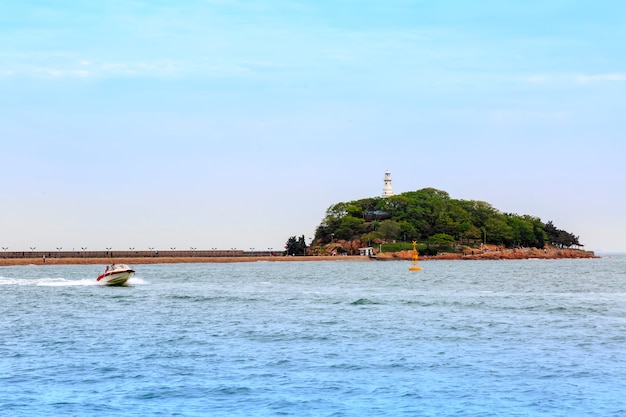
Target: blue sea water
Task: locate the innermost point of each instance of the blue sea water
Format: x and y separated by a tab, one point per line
459	338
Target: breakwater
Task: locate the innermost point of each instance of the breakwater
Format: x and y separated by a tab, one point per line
232	253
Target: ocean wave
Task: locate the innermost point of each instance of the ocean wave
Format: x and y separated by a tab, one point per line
363	301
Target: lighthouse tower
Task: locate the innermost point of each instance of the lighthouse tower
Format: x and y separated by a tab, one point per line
387	190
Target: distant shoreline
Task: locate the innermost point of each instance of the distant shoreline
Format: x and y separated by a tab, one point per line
509	254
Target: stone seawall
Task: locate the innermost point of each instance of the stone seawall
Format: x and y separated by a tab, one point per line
173	260
131	253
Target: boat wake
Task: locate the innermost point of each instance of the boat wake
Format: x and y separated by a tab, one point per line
62	282
48	282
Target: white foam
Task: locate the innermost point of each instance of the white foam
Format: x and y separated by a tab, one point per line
48	282
62	282
136	281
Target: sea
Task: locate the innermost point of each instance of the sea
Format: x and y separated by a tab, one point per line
327	338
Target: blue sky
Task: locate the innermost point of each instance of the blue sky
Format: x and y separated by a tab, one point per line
236	124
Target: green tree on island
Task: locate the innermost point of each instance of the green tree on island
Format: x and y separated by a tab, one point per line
430	215
295	246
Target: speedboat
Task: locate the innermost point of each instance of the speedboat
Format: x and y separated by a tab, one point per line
116	274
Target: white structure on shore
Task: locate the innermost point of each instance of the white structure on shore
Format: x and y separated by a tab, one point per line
387	190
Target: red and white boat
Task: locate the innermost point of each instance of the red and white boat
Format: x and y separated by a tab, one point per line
116	274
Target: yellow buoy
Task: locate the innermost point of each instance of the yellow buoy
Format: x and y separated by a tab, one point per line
414	265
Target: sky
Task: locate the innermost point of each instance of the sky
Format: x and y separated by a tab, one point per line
236	124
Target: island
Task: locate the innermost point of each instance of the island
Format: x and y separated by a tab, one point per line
442	227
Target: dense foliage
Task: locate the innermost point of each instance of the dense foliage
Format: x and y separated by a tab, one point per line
430	215
295	246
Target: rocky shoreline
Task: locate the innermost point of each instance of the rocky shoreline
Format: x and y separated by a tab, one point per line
495	253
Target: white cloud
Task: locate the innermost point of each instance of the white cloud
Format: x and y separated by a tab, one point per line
579	79
614	76
85	69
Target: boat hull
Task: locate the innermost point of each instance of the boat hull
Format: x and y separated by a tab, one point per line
116	277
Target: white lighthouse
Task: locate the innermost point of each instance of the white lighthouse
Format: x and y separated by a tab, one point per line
387	190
